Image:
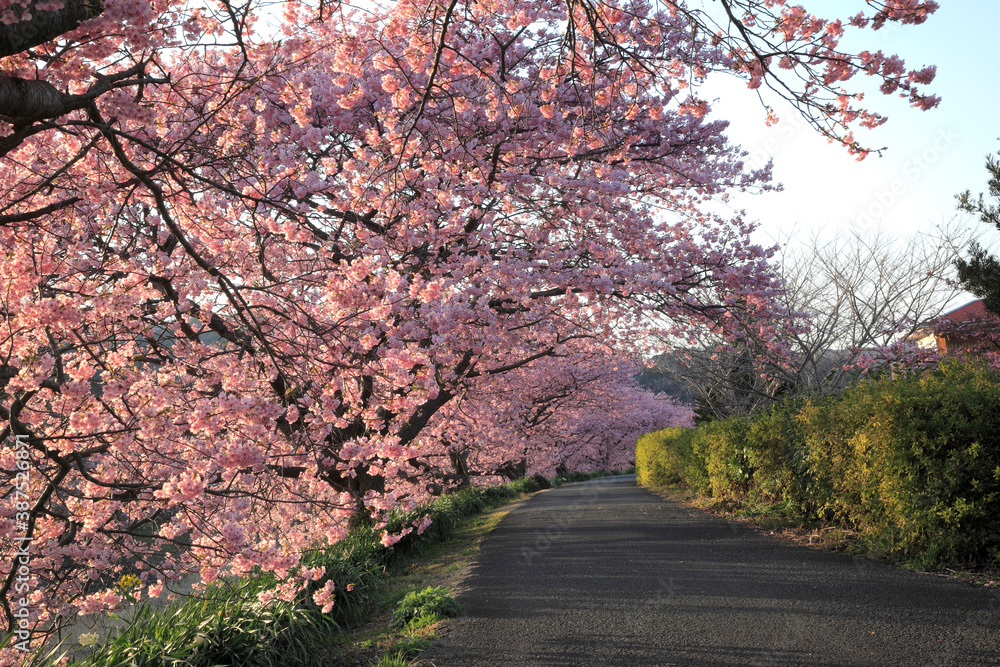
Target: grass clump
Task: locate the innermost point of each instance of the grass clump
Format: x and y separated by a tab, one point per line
226	626
402	652
425	607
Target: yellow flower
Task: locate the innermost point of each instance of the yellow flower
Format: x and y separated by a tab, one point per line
128	583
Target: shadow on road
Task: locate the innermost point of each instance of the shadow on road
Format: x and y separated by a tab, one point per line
607	573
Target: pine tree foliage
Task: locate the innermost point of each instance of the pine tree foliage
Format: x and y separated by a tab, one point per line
980	273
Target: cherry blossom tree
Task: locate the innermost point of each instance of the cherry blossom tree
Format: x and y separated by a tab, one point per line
581	410
257	261
971	331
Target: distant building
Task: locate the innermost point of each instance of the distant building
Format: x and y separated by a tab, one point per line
959	330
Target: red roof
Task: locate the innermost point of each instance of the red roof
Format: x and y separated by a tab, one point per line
967	312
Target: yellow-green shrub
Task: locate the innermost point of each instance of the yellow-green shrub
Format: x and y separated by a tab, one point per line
774	449
723	446
912	464
827	426
931	459
660	457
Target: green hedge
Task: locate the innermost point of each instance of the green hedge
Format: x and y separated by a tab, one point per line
912	465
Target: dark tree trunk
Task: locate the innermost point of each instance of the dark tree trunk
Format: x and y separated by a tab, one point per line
44	26
514	470
459	463
29	99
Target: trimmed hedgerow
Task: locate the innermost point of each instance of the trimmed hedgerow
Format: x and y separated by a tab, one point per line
911	464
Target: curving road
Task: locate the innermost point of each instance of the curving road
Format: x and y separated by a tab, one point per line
607	573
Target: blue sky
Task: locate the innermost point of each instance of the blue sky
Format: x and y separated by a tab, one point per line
930	156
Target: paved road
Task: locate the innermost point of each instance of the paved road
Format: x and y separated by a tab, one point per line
607	573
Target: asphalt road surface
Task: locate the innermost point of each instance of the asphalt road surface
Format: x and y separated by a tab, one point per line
607	573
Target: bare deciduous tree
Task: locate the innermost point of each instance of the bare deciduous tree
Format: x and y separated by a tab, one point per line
853	296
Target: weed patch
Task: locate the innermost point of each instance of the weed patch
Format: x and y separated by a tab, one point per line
424	608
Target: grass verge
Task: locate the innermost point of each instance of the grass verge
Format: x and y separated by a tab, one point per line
442	565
